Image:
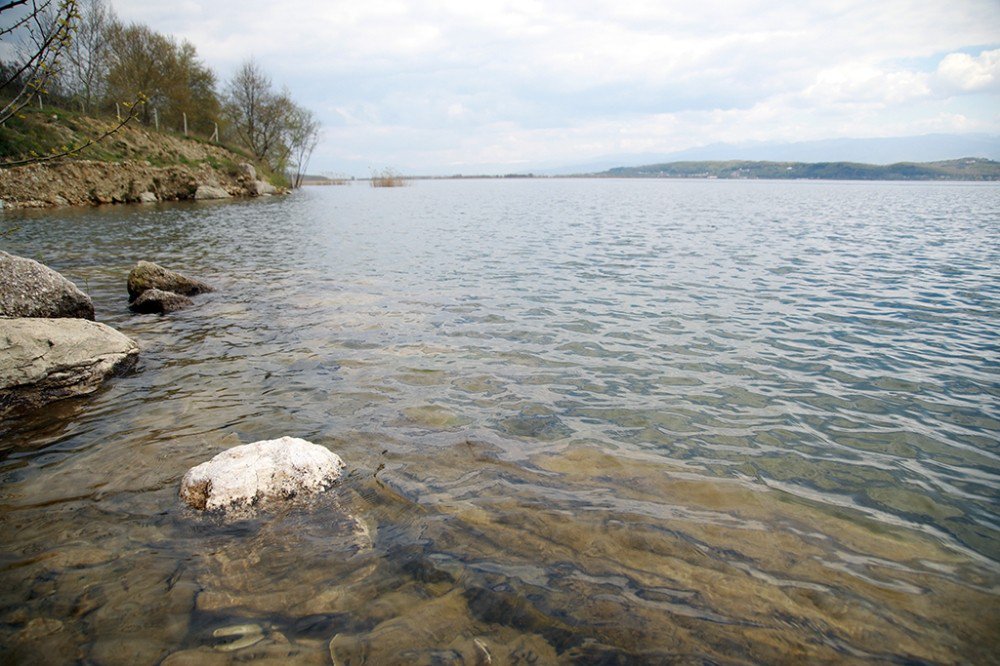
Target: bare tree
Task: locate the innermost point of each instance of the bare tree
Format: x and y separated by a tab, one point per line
258	114
87	66
42	30
302	136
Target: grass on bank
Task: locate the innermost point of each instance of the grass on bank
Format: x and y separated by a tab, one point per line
39	132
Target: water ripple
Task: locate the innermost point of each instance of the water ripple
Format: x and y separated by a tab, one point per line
832	342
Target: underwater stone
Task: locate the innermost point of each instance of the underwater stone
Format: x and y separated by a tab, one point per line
272	469
158	301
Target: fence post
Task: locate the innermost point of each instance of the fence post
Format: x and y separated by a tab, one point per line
118	111
185	123
156	119
215	134
40	102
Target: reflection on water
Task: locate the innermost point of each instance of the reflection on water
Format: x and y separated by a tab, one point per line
734	422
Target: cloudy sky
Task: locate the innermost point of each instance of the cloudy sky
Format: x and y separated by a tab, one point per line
456	86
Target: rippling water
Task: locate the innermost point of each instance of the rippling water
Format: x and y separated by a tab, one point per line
657	421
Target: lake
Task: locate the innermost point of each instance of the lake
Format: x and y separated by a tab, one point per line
585	421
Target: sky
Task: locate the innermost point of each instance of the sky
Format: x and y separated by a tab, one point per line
503	86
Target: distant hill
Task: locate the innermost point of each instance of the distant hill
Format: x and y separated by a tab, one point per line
885	150
970	168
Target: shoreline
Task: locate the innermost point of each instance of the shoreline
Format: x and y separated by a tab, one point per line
93	183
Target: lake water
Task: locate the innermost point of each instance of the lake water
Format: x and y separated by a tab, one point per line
585	421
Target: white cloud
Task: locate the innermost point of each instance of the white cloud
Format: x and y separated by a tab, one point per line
424	83
966	73
862	83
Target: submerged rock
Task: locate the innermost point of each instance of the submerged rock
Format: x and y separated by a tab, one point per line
157	301
245	475
146	275
31	289
210	192
43	360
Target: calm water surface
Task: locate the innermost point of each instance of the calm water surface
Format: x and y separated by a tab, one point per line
585	422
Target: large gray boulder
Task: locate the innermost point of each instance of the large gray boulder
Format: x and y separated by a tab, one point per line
156	301
31	289
244	476
43	360
147	275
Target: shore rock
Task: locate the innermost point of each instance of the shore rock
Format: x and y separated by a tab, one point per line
205	192
31	289
243	476
248	171
157	301
262	188
147	197
43	360
147	275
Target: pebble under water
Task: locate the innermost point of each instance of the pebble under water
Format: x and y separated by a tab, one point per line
584	421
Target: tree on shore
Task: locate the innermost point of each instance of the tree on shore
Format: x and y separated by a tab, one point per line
303	136
77	53
256	112
87	61
42	31
275	129
171	77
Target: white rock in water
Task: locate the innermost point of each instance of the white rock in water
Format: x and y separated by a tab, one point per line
273	469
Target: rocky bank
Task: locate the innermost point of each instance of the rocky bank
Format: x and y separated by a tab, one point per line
88	182
134	165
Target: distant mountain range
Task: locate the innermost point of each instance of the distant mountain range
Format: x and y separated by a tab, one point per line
892	150
972	168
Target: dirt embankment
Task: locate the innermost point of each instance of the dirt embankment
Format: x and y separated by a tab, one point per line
87	182
132	165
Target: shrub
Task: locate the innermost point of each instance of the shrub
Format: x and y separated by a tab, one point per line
387	178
